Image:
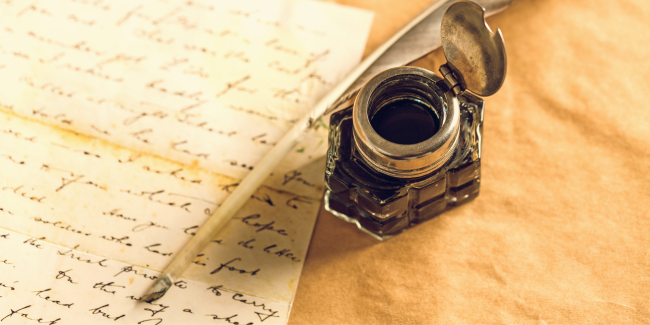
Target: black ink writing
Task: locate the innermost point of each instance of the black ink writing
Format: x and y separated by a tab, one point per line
99	311
82	259
63	275
41	294
250	221
229	267
107	287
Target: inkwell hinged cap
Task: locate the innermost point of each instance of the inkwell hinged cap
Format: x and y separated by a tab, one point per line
476	62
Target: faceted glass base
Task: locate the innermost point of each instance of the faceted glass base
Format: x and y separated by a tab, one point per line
384	206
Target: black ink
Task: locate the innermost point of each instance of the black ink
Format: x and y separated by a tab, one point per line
174	173
106	287
129	269
227	319
282	252
235	163
149	248
57	302
235	85
145	226
154	312
264	317
292	202
272	312
7	286
175	146
25	315
294	175
152	196
158	320
189	230
232	268
260	139
138	115
266	199
247	243
156	85
34	242
131	158
269	226
122	241
99	310
58	117
138	134
115	213
19	135
23	193
215	290
256	113
99	130
65	182
83	260
62	225
10	158
63	275
184	118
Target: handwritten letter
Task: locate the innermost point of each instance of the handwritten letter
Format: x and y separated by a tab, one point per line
124	124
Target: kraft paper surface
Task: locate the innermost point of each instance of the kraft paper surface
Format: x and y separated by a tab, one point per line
560	231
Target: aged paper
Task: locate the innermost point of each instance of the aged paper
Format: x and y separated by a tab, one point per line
209	84
124	124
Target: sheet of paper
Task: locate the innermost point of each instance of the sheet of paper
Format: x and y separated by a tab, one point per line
79	288
214	84
124	124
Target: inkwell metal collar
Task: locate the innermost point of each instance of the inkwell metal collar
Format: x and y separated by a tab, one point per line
476	61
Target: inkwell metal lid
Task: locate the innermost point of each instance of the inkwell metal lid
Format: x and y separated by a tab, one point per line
476	61
475	55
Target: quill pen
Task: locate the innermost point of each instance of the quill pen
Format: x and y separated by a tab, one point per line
418	37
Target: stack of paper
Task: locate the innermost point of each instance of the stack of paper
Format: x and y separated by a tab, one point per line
123	124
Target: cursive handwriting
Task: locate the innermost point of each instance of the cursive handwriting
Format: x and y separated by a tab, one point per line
229	267
56	302
250	221
82	259
26	316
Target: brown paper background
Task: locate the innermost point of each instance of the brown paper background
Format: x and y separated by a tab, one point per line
560	233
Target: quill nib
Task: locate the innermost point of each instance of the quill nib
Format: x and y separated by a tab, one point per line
159	288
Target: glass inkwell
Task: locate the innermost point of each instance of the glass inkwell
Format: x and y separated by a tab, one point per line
410	146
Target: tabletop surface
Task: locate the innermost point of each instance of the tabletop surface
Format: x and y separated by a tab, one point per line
560	231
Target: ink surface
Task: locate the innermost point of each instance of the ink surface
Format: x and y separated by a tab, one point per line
405	121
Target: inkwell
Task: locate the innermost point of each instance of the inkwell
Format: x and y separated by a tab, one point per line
410	146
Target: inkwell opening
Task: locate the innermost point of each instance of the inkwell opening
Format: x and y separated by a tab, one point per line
403	110
405	125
